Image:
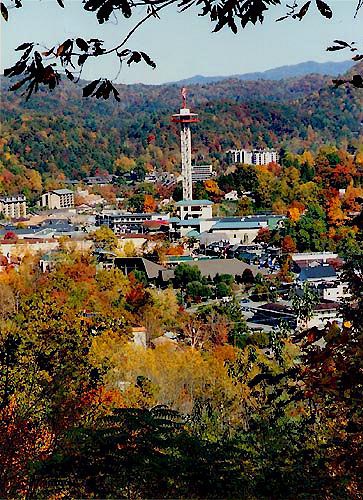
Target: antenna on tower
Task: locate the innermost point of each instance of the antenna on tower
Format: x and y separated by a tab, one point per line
184	97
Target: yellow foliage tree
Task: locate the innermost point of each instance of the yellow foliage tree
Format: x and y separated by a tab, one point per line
161	313
212	187
279	207
307	158
335	213
124	164
104	238
294	214
129	249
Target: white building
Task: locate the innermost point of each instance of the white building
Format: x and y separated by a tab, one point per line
240	156
231	196
254	157
263	157
58	199
119	221
334	291
194	209
13	207
202	172
323	313
238	231
314	258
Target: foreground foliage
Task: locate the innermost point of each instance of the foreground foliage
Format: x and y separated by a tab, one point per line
86	413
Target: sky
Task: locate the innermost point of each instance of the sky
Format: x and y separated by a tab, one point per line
182	44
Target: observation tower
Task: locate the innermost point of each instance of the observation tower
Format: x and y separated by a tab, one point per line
185	118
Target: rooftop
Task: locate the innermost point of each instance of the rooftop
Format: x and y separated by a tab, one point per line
62	191
185	258
130	263
236	224
122	213
193	203
190	222
328	305
192	234
275	307
317	272
211	267
12	199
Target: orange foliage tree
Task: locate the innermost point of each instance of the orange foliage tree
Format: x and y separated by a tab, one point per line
335	214
149	203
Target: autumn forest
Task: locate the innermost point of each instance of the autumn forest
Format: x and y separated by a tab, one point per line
211	408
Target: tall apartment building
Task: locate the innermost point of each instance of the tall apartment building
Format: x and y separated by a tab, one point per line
201	172
263	157
58	199
254	157
240	156
13	207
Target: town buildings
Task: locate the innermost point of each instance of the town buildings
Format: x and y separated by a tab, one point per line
202	172
253	157
194	209
316	275
13	207
124	222
58	199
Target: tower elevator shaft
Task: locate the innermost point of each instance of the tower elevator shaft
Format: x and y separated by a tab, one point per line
186	160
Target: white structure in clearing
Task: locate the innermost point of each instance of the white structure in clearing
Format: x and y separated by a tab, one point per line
231	196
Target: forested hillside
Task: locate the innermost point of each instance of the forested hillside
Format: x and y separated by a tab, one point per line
61	134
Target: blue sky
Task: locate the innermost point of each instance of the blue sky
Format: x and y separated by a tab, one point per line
183	45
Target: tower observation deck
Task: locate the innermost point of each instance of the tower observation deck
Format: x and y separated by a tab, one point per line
185	118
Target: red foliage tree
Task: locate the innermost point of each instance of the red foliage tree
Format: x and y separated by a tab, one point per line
10	235
288	245
263	235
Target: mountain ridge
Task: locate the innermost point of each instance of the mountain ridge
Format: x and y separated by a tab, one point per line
61	134
329	68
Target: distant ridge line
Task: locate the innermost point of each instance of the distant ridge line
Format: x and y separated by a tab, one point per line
279	73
